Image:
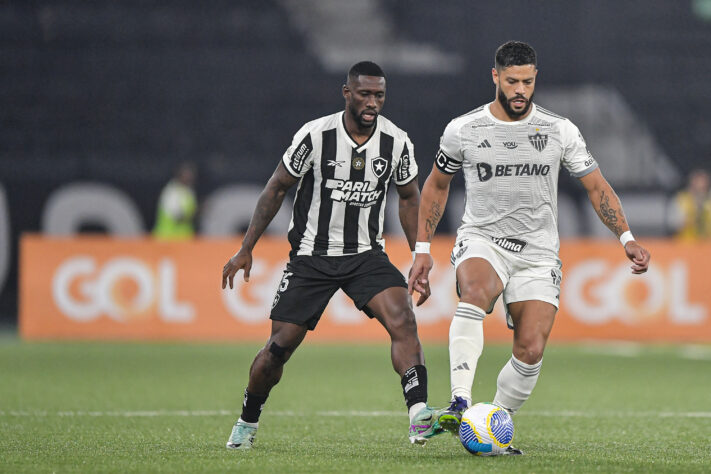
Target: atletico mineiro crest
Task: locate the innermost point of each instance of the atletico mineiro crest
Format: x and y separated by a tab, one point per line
538	141
379	165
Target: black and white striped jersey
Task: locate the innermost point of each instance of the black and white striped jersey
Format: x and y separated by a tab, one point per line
340	199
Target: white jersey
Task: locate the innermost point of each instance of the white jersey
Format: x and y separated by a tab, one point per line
511	175
340	202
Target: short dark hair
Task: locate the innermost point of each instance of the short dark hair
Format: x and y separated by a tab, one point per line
365	68
514	53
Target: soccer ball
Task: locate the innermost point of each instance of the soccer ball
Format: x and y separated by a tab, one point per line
486	429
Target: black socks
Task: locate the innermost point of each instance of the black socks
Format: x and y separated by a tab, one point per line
414	385
252	407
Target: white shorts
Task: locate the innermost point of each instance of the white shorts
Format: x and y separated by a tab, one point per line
523	280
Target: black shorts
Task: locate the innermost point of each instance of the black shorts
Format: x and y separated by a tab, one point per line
309	282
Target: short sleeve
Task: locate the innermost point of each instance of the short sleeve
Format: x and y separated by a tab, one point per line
449	157
298	158
576	157
406	169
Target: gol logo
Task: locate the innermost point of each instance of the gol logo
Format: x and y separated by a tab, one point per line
124	289
596	293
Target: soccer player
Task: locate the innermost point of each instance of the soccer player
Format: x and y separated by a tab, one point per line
343	163
510	151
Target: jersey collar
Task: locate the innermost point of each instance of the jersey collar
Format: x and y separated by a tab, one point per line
517	122
353	143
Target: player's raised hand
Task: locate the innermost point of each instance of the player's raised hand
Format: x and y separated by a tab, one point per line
639	256
418	279
241	260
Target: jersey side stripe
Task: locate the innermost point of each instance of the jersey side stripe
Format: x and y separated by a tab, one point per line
548	112
478	109
352	213
302	203
326	206
375	223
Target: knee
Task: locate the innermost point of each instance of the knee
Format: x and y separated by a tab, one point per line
475	294
272	357
529	350
402	323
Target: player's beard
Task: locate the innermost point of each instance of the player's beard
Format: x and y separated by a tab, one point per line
358	117
506	104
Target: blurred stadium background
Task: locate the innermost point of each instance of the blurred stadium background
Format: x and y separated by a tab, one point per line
101	101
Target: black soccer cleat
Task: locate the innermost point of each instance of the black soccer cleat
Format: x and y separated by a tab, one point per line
511	451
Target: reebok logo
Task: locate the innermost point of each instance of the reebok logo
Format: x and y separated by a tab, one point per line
463	366
512	245
484	144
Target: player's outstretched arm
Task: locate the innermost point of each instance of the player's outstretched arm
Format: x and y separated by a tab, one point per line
433	200
409	206
409	209
268	205
609	209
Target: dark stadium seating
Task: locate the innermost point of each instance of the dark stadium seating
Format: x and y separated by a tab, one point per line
120	92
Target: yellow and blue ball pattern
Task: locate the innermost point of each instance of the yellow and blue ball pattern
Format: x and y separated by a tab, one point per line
486	429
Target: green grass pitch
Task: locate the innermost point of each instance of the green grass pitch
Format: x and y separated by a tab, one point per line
109	407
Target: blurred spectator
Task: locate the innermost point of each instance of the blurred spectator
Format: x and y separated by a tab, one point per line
177	206
691	213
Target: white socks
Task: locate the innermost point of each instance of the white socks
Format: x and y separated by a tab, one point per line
253	425
466	341
515	384
415	409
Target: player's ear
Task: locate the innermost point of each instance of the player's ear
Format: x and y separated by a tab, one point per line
495	75
345	91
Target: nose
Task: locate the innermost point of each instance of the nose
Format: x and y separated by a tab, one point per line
520	89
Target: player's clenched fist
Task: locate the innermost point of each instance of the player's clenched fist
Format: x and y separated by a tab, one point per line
639	255
240	260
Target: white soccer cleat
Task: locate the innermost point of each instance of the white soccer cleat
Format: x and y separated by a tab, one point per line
242	436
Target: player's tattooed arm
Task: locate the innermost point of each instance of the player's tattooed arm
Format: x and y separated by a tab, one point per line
605	202
433	217
608	207
432	203
268	205
611	214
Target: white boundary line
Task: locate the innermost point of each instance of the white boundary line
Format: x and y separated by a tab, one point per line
356	413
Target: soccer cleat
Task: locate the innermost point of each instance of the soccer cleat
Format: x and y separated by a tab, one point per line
511	451
424	426
242	436
450	418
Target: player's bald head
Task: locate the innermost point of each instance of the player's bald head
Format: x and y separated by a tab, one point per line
515	53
